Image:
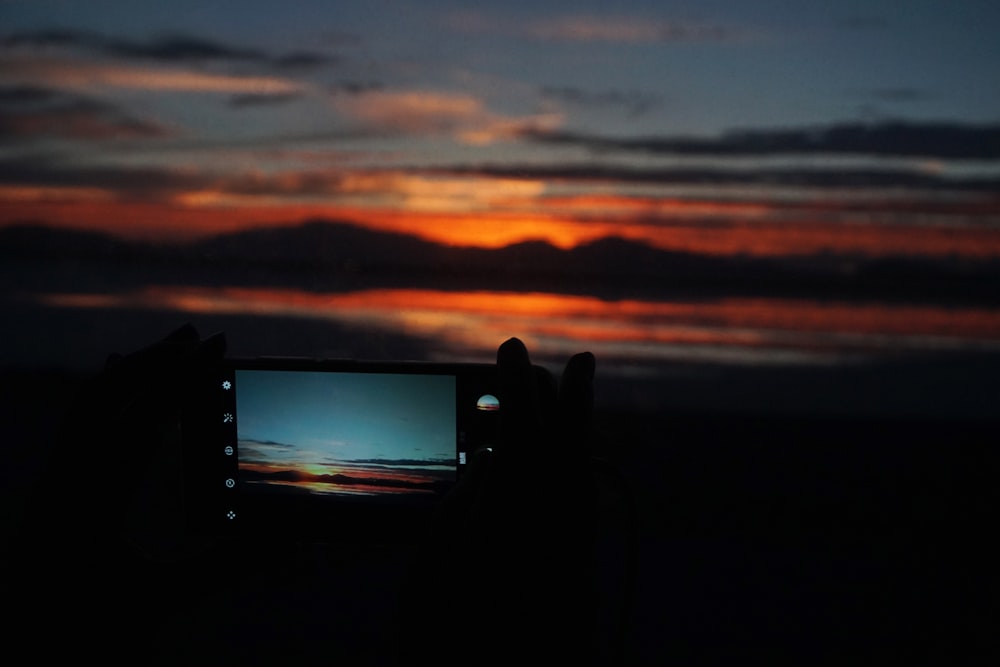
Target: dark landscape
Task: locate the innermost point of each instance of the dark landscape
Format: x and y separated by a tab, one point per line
795	511
332	256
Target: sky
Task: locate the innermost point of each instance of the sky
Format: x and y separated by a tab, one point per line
778	124
818	137
387	433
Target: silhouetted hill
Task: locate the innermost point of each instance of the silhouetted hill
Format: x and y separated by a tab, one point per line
333	244
331	255
38	240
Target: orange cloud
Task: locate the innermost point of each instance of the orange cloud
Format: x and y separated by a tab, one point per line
428	112
87	75
591	28
411	111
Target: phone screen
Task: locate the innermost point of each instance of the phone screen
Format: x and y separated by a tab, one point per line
385	436
301	445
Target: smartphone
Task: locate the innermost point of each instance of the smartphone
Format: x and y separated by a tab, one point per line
329	447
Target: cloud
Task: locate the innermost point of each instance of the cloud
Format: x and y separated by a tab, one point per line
635	103
402	462
892	139
257	100
355	87
413	111
186	186
430	112
88	75
29	112
593	28
895	94
192	187
141	183
623	30
175	48
790	177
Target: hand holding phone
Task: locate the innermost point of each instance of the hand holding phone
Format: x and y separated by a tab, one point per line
512	551
313	448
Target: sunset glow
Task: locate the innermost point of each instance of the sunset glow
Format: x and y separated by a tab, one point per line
631	180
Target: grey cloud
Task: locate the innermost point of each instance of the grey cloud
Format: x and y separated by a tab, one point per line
159	184
800	177
355	87
895	94
896	139
255	100
165	48
634	102
30	112
140	183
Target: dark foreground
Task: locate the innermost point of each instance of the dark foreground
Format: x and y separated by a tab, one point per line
734	539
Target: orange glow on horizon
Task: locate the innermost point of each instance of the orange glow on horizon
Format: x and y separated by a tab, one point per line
309	476
751	236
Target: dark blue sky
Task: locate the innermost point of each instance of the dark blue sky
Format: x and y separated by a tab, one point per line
686	67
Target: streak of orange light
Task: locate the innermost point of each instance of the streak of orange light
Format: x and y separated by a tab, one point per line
630	314
307	470
164	221
598	203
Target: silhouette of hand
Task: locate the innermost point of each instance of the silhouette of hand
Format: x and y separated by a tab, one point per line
103	531
513	542
114	473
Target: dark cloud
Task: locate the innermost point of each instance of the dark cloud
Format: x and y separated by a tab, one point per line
161	184
179	48
890	139
596	28
19	95
355	87
269	443
144	183
893	94
401	462
303	60
55	37
32	112
165	48
797	177
635	103
258	100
